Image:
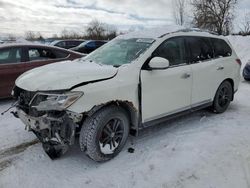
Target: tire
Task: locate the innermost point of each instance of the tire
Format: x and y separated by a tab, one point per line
106	129
223	97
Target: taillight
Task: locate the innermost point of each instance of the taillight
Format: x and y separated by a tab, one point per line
238	61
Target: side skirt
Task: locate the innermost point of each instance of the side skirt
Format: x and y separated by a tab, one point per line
175	115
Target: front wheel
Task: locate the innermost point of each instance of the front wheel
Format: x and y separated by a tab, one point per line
223	97
104	134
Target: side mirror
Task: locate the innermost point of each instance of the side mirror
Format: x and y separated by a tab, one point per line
158	63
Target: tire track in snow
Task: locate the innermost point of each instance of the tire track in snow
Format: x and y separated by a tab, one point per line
7	156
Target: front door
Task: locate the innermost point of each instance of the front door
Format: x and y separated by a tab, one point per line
165	92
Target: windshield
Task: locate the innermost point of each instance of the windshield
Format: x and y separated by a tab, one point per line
120	51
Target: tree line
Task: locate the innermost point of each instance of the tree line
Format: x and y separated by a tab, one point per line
95	30
213	15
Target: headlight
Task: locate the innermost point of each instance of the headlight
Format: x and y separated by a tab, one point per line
46	101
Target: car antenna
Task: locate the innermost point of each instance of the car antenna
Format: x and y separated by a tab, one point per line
12	106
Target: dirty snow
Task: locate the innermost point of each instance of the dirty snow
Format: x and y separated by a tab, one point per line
199	150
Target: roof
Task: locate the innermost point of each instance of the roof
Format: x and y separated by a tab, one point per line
26	44
159	32
65	40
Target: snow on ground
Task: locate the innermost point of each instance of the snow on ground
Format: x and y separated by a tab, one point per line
199	150
241	45
11	129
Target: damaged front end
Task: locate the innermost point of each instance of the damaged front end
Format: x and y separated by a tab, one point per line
47	116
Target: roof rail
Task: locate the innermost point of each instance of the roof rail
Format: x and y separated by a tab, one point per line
190	30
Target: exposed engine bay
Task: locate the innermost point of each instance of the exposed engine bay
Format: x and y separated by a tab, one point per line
56	129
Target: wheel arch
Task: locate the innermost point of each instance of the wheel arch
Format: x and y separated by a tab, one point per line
129	107
230	80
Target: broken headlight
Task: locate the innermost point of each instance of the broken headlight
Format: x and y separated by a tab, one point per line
59	102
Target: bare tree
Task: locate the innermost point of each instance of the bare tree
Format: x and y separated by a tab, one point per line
110	32
214	15
95	30
30	35
179	11
11	37
245	25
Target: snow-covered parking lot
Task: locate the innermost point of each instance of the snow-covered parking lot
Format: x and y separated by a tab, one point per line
202	150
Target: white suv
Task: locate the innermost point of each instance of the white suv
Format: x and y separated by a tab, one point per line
134	81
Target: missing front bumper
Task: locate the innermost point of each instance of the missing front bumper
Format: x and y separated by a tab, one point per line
56	133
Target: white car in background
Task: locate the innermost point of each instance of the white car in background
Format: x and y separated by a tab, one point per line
1	42
134	81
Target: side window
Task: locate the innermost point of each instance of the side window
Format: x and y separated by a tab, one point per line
70	44
61	44
61	54
99	43
38	54
173	50
91	44
200	49
11	55
221	48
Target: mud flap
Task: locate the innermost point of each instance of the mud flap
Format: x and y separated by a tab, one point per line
54	149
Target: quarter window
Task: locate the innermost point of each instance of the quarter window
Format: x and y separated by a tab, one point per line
11	55
200	49
61	44
61	54
173	50
221	48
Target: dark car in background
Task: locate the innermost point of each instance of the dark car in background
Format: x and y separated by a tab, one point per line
67	44
88	46
16	59
246	71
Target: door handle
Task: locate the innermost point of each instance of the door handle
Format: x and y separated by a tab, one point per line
220	68
186	75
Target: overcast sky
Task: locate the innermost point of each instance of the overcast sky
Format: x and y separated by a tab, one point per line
52	16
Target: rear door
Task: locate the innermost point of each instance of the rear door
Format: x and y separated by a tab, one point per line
207	74
38	56
11	66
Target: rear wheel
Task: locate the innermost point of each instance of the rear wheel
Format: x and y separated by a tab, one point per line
104	134
223	97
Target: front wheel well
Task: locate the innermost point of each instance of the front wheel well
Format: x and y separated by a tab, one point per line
129	107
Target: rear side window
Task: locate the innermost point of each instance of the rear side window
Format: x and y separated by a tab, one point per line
38	54
99	43
200	49
173	50
61	54
61	44
77	43
221	48
10	55
91	44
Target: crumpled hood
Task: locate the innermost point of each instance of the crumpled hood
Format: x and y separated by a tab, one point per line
64	75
